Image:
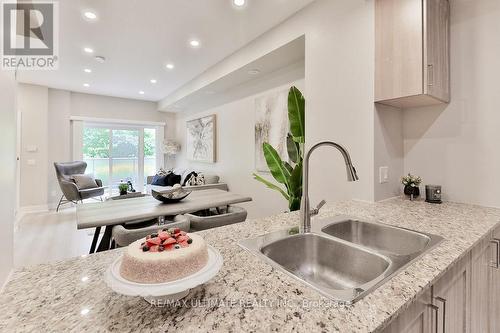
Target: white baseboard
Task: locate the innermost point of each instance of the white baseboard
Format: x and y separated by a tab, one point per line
33	209
25	210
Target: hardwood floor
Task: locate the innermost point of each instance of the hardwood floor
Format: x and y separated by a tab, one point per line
46	237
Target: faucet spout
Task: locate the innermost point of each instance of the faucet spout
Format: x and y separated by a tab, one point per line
305	211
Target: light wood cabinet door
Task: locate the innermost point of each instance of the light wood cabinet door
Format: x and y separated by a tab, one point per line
412	51
398	48
416	319
495	284
481	286
437	49
451	296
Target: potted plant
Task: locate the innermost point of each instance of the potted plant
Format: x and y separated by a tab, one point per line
123	187
288	175
411	184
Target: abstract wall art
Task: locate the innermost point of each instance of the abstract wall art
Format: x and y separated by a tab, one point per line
271	126
200	141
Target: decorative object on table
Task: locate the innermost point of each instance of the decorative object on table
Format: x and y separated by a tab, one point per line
271	126
411	184
182	261
123	188
71	192
176	194
131	188
433	194
129	195
289	174
200	140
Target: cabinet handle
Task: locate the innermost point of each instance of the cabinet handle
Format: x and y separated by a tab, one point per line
496	263
442	300
435	309
430	75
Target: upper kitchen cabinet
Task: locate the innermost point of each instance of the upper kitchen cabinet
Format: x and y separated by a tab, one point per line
412	52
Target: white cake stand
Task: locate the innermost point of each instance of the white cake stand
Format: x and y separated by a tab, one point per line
163	293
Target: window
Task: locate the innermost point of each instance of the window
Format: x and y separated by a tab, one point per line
150	163
120	153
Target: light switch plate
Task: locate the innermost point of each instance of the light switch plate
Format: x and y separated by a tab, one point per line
383	173
31	149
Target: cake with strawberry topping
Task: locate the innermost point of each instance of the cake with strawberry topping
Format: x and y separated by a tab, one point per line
168	255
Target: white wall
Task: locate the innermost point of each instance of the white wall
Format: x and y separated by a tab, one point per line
7	171
457	145
339	81
46	124
236	152
59	107
389	150
33	105
98	106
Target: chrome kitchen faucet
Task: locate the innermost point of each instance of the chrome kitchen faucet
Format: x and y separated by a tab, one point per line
305	211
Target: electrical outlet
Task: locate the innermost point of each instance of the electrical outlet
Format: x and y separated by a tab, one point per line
383	173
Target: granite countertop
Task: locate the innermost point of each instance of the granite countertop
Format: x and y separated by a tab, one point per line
248	294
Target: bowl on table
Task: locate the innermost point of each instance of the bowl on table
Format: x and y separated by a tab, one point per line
170	196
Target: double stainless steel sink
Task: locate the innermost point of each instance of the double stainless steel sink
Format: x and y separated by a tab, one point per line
343	258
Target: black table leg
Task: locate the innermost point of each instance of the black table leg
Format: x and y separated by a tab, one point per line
94	240
105	240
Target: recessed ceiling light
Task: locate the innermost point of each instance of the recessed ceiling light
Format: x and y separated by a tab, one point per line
100	59
86	85
85	279
170	66
239	3
153	81
141	92
87	70
90	15
88	50
254	72
84	312
194	43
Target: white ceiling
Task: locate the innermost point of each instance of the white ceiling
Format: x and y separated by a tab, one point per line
282	65
138	38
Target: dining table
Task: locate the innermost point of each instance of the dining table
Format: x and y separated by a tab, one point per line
119	212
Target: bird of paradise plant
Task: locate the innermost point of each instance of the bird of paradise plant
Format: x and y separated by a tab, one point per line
288	175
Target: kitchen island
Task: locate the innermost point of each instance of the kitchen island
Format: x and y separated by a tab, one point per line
248	294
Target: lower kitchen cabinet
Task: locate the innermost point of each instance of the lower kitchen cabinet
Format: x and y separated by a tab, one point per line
495	283
481	287
416	319
465	299
452	298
